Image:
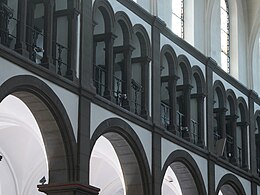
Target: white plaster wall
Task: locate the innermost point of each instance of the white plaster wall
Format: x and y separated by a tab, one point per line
258	190
99	114
256	107
215	46
220	172
68	99
193	61
165	12
169	147
146	4
256	64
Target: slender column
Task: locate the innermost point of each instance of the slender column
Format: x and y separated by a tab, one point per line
72	39
173	103
244	149
201	130
20	45
187	117
109	63
252	146
48	35
127	76
209	105
145	87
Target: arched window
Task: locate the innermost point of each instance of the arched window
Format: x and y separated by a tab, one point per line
178	17
257	140
230	121
225	35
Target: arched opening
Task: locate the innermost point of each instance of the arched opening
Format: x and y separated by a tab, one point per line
140	71
181	175
231	133
197	107
105	169
103	47
242	134
230	185
219	111
122	68
168	88
183	93
166	103
54	125
227	190
182	181
257	141
117	161
24	161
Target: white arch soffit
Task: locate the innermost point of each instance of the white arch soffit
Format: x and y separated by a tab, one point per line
104	151
170	183
16	122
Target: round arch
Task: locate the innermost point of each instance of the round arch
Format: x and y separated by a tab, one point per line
125	23
107	12
185	67
232	100
244	110
199	78
53	122
232	181
171	57
120	134
144	39
221	93
190	164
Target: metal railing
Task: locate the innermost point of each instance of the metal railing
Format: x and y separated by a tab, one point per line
61	57
34	40
165	115
99	79
194	131
118	94
137	93
7	21
34	43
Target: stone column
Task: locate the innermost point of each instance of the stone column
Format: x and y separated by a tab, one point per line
48	35
20	45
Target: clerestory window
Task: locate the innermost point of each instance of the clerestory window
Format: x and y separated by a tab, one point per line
225	35
178	17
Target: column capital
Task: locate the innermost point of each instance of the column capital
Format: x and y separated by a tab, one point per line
68	189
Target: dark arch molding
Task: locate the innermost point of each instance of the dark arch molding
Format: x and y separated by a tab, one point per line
232	100
220	89
125	23
185	158
38	89
120	127
107	12
199	77
185	66
144	39
171	57
241	101
233	181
